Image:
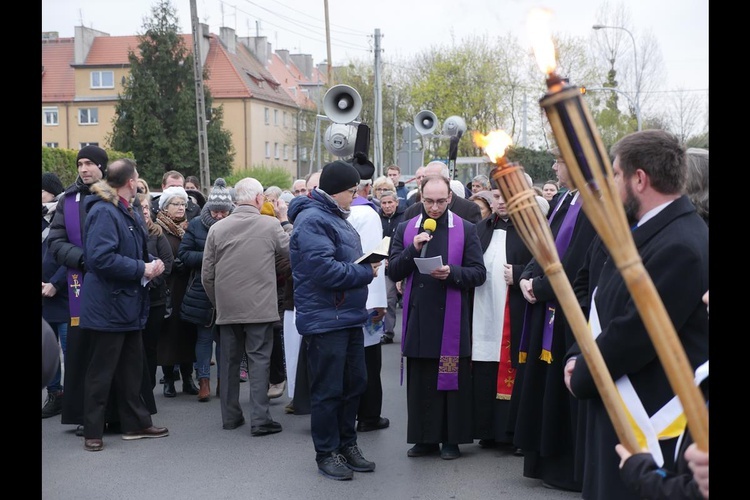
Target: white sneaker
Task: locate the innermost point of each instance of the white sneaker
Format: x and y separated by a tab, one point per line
276	390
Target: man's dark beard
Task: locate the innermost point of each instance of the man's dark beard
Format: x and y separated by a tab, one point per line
632	205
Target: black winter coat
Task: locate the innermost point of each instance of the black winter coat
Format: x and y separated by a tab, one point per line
196	308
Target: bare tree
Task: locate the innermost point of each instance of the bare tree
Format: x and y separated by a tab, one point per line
686	114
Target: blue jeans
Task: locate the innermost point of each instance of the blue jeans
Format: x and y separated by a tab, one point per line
338	377
204	346
61	332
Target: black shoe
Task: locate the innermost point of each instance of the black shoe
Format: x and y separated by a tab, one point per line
385	339
79	431
169	390
265	429
450	451
234	425
423	449
381	423
53	405
189	387
354	460
518	452
333	467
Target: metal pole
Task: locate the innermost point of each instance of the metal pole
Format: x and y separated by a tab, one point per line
200	103
637	77
328	45
395	129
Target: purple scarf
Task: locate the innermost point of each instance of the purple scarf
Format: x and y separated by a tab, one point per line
449	348
75	275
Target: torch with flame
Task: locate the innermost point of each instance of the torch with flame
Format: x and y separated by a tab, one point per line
590	169
532	226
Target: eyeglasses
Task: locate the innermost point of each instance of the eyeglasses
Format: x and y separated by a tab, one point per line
428	202
178	204
381	189
299	191
352	191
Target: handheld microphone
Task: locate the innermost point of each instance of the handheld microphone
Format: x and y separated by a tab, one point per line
429	225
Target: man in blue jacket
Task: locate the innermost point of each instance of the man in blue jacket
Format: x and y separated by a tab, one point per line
330	295
115	308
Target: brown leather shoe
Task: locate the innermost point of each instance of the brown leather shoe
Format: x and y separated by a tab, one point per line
93	444
148	432
204	392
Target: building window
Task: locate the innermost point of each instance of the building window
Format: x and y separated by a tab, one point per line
276	117
303	153
294	153
102	79
268	149
302	125
88	116
50	116
276	150
52	144
286	152
84	144
267	116
285	118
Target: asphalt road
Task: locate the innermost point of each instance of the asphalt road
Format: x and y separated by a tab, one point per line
200	460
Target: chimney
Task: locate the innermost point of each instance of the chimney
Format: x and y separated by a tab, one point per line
284	55
305	64
228	39
204	41
83	40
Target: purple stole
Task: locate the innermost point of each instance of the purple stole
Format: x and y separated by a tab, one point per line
449	348
75	275
562	241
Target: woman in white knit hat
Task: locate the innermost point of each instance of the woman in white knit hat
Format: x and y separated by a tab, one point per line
177	339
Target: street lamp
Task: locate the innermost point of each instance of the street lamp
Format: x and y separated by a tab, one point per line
637	79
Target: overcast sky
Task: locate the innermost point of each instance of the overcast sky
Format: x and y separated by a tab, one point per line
406	26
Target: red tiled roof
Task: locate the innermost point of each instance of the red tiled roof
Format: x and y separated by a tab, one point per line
290	76
238	75
58	80
241	75
109	50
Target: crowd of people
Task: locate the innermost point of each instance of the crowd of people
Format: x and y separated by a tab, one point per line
133	281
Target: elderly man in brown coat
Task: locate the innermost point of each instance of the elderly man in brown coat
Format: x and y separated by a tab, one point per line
240	260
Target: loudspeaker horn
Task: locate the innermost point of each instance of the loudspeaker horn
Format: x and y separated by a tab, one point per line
340	138
453	125
342	104
425	122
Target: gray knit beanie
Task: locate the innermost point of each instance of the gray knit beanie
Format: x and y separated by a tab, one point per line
220	198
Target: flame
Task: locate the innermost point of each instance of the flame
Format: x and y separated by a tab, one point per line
494	144
538	27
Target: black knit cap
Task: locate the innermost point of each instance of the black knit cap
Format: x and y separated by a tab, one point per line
338	176
51	183
95	154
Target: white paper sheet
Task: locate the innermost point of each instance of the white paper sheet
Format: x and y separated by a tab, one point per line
428	264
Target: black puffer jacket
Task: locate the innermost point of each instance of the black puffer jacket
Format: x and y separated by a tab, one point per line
196	308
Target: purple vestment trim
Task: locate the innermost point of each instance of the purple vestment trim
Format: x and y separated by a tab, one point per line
75	275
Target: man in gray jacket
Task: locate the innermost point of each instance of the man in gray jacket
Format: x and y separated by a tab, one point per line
242	253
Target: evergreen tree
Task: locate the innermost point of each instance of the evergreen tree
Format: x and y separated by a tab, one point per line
155	116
